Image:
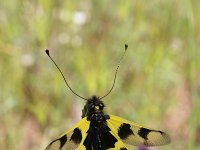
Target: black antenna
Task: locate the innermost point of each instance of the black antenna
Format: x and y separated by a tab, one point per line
47	52
126	47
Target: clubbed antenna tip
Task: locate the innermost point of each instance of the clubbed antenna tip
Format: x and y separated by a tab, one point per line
47	52
126	47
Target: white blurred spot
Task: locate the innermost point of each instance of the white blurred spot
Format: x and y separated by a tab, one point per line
27	60
63	38
79	17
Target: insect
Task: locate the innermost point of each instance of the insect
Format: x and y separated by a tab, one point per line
100	131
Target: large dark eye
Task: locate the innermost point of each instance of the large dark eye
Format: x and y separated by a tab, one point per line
92	106
101	106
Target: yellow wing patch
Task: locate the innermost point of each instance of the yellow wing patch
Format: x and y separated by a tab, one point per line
72	139
133	134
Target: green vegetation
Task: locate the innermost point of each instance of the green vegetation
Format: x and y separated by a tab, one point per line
158	81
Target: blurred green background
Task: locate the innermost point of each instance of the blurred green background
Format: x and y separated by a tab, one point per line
158	84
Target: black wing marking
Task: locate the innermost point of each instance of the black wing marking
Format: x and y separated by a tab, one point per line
133	134
72	139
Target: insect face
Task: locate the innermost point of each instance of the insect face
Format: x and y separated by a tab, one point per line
93	105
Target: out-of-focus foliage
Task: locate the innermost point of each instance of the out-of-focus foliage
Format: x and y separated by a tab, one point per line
157	85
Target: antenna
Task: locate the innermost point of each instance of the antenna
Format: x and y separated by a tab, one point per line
47	52
126	47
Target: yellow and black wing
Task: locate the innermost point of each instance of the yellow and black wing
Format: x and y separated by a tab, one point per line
73	139
119	145
133	134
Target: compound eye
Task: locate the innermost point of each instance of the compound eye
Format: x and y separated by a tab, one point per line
101	105
92	106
